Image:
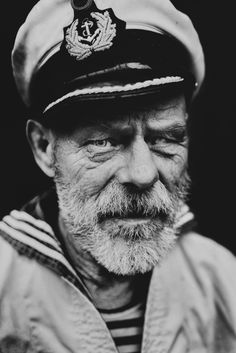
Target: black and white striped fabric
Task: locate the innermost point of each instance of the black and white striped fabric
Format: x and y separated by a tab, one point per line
126	327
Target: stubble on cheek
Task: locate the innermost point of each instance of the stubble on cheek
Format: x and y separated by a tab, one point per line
75	168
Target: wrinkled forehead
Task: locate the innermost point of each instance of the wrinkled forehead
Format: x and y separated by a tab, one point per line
155	114
160	109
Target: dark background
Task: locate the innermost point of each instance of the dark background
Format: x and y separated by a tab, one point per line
212	148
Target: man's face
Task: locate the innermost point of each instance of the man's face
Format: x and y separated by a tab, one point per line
121	183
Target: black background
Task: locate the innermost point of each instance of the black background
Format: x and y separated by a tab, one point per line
212	148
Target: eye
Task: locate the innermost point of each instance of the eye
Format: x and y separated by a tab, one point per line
176	137
101	149
100	143
160	140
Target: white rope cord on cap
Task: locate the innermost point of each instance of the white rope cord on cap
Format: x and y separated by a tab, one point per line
116	88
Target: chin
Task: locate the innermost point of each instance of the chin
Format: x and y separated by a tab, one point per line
131	255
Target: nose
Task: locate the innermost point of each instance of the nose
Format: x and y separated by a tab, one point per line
140	169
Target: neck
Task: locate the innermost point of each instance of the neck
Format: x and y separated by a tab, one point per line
108	290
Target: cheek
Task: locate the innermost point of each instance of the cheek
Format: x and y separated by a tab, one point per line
89	177
71	166
91	181
172	170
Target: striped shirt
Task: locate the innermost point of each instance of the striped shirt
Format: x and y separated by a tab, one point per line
126	327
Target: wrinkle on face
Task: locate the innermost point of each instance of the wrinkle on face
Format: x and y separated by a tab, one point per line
130	128
102	169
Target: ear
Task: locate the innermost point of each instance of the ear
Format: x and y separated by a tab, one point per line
41	141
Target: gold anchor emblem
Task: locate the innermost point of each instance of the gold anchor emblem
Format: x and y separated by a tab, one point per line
82	46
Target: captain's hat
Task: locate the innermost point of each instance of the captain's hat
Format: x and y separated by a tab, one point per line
88	50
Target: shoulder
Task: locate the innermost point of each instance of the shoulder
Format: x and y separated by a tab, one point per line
12	266
204	264
15	279
8	256
210	271
16	256
201	251
208	261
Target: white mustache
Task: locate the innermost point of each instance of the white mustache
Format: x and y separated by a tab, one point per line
117	201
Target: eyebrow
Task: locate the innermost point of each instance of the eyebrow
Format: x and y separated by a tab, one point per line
176	130
177	126
115	130
171	128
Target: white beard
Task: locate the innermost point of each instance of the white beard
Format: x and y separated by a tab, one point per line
122	248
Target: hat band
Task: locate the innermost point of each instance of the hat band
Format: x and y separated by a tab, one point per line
116	88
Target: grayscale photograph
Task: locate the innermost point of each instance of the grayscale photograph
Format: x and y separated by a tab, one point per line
117	212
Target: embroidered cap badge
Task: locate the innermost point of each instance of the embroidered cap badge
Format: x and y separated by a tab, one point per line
82	46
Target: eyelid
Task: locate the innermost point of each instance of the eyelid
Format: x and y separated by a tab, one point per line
92	140
177	134
110	140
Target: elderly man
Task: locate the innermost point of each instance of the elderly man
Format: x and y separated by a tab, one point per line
108	260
